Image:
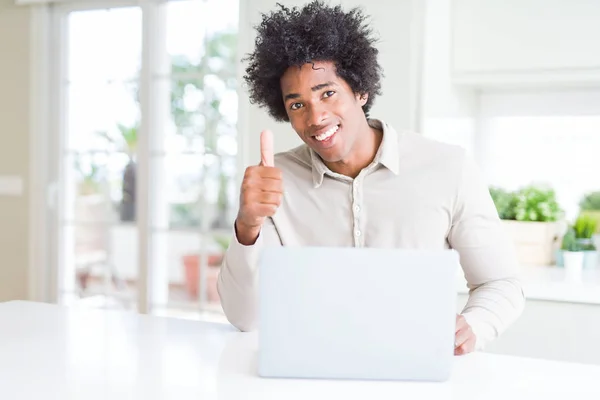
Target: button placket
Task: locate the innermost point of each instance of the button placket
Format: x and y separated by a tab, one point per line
356	211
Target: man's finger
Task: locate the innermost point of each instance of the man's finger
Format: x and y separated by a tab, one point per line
460	323
266	149
466	347
462	336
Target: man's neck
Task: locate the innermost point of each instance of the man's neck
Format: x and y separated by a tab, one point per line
363	153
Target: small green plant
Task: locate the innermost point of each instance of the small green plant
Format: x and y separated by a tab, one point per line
584	227
505	202
569	242
537	203
590	202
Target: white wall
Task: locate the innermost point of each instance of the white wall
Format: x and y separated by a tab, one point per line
397	24
448	113
14	147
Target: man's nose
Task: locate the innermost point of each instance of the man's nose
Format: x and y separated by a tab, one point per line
316	115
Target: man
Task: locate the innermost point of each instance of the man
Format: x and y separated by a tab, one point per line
356	181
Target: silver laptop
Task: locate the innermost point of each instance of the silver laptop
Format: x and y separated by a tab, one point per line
351	313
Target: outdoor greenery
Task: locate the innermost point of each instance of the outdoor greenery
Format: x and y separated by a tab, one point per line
590	202
212	76
215	71
126	142
209	79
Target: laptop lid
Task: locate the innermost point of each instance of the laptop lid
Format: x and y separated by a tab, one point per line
357	313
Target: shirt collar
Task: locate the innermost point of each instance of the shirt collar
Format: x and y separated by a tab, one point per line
387	155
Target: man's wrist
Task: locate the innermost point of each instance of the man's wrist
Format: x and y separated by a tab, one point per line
246	235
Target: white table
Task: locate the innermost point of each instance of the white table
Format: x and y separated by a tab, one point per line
50	352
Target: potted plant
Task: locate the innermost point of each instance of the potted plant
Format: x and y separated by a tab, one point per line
583	229
191	263
126	142
531	215
590	206
572	256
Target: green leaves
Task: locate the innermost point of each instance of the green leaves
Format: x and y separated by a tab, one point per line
530	203
578	236
569	242
129	135
584	227
537	204
505	202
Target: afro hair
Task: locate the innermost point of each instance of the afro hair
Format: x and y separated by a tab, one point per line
316	32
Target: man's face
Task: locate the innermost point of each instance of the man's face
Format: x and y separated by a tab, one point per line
323	110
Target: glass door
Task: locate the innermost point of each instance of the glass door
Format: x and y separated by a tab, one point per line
147	155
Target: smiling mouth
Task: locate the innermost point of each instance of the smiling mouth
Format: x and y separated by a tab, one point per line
327	135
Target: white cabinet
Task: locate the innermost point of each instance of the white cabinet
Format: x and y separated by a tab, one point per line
525	41
552	330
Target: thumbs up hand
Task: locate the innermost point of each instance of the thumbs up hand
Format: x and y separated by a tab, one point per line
261	193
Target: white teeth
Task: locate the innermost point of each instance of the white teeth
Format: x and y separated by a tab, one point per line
327	135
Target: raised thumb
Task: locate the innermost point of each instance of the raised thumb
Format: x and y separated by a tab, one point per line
267	157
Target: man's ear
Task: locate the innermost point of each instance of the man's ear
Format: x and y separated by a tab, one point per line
362	98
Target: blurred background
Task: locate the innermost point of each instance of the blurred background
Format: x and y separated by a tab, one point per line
125	128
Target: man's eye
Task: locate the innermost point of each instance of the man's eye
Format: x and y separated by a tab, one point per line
296	106
328	93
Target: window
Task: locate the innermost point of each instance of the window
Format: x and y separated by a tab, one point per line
543	137
147	159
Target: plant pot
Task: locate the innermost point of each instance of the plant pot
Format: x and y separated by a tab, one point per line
596	241
573	265
590	259
535	242
191	263
128	206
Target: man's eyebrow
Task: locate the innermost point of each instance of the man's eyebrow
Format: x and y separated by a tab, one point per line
291	96
322	86
314	89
